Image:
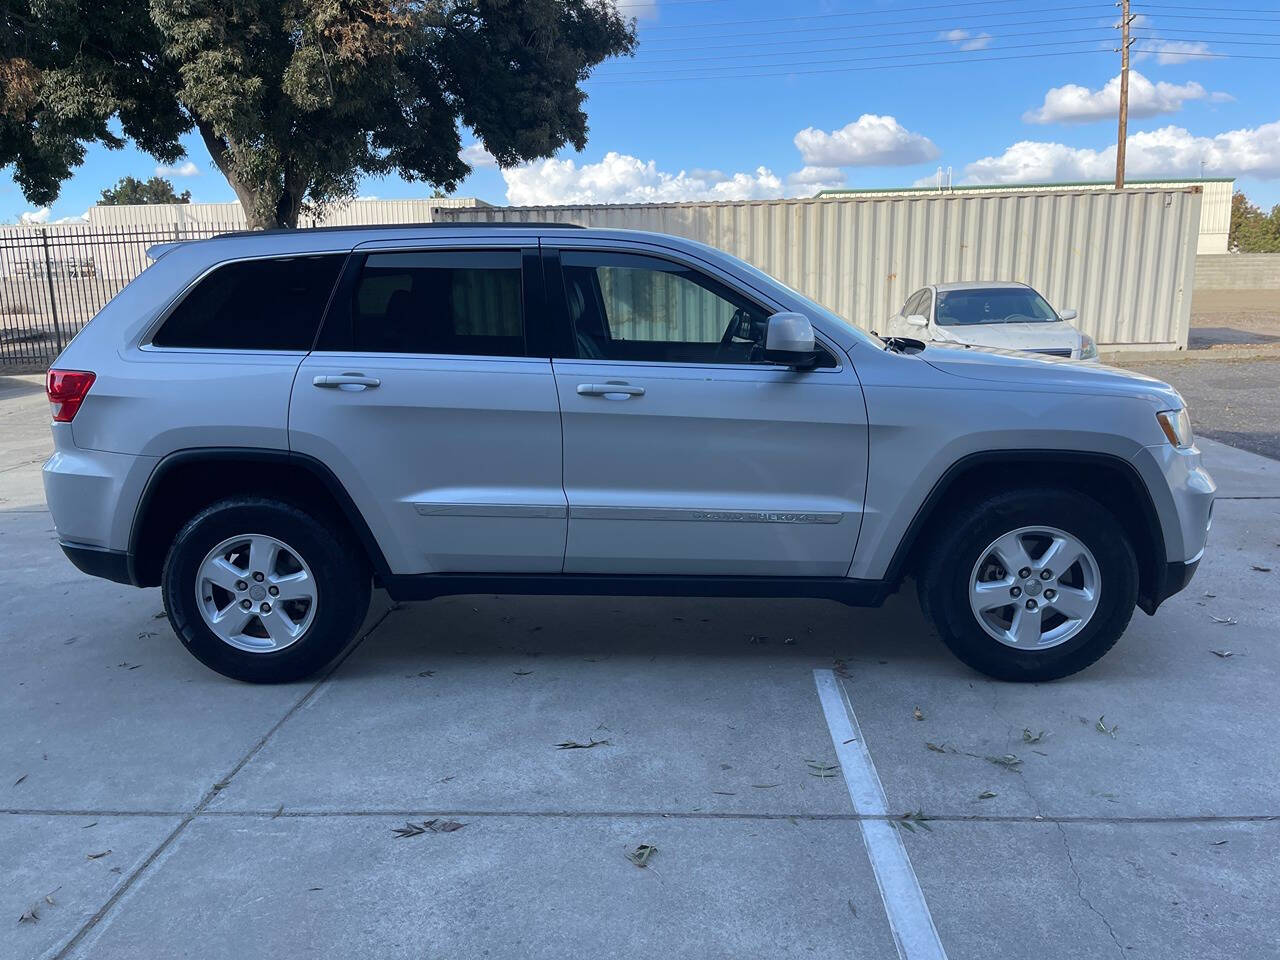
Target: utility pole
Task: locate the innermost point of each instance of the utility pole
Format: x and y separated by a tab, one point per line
1125	21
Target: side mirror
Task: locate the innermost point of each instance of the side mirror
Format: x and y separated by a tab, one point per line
915	320
789	340
1069	314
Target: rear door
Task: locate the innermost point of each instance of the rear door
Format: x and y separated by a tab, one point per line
684	452
431	397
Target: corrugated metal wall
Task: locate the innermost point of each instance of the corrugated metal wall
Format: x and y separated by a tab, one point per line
1125	261
1215	209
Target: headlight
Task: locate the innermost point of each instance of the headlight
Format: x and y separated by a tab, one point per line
1176	425
1088	349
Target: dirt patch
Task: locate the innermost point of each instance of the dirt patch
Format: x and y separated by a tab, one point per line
1233	318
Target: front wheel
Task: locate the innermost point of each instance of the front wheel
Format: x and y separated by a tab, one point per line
260	590
1032	585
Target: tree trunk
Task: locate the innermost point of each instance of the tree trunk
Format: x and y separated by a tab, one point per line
284	208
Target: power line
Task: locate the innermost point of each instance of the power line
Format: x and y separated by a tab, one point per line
1107	21
861	36
741	55
665	3
1210	56
883	66
1214	16
863	13
1197	34
1166	6
894	56
1226	43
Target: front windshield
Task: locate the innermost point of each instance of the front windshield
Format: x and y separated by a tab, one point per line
960	308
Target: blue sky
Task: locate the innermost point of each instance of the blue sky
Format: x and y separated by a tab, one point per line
739	98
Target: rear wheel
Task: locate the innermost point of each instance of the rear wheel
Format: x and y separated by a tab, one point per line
1032	585
260	590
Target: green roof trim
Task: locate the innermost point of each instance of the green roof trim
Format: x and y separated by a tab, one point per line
1015	186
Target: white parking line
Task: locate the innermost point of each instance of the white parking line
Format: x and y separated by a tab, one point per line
914	934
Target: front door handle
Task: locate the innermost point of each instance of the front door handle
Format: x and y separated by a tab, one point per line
613	390
347	381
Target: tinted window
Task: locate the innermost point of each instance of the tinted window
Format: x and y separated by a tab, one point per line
632	307
914	303
994	305
446	302
254	305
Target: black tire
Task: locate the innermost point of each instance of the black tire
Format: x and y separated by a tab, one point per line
943	583
342	580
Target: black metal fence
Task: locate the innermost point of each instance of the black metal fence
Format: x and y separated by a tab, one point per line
54	279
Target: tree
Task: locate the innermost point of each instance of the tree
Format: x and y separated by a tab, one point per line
155	190
297	99
1253	231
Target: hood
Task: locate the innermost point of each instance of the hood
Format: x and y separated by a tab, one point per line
1015	368
1045	335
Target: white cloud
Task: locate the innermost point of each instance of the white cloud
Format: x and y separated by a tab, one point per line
620	178
41	215
869	141
966	40
1179	51
187	169
1073	103
1166	52
1167	152
640	9
475	155
808	181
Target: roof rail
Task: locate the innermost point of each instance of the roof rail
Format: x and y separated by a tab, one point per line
520	225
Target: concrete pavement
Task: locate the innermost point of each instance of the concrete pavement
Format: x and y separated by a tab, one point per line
169	812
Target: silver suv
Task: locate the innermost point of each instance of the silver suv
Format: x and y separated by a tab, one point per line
266	425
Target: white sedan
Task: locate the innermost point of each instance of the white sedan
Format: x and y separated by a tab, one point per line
1009	316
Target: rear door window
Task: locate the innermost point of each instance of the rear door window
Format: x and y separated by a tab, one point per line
461	303
269	304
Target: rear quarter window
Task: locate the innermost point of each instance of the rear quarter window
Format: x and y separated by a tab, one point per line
272	304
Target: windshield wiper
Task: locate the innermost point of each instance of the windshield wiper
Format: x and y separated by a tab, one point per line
901	344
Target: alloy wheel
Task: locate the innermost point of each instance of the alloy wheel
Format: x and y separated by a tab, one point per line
256	593
1034	588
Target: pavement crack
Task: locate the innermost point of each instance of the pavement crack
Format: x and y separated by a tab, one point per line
219	785
1071	862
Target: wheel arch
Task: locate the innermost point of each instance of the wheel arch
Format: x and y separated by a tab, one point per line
186	481
1111	480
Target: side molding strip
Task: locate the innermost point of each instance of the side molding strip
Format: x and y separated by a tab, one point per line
530	510
702	516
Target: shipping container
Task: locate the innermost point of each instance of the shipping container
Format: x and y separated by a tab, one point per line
1125	260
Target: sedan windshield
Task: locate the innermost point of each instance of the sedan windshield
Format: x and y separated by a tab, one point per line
995	305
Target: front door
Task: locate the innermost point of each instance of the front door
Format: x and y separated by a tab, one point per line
425	399
684	452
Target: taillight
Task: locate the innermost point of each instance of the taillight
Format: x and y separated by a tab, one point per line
67	390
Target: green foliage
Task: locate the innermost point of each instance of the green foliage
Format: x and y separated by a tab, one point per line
133	190
296	100
1253	231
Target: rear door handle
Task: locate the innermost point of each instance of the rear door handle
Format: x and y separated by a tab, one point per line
356	381
613	390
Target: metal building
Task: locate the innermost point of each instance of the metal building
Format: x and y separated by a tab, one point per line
1125	260
184	216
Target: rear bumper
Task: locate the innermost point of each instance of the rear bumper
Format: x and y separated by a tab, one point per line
99	561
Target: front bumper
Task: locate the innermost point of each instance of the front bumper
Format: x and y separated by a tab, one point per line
1183	493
